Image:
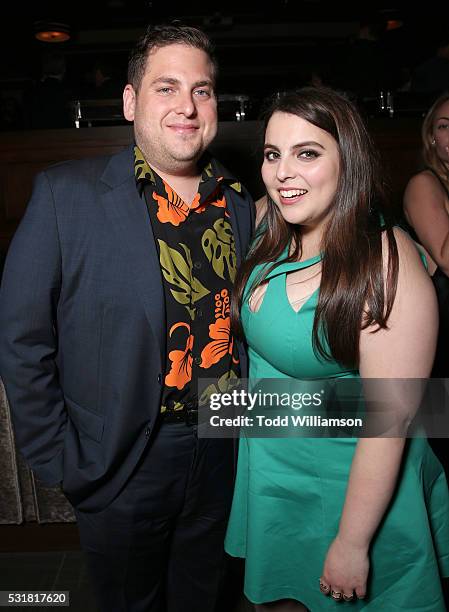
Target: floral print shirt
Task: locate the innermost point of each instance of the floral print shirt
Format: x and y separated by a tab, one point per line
198	264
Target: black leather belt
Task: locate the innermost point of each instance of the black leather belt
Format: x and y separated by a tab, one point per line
187	414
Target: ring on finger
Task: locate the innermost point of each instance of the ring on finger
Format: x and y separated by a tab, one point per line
336	595
324	588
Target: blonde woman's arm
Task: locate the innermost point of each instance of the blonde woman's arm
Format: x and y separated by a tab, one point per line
426	209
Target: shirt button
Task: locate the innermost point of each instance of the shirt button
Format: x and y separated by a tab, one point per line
159	378
199	312
147	432
197	265
198	361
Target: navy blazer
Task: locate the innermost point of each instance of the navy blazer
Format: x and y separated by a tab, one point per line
82	325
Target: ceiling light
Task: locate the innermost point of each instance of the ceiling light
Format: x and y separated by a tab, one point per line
394	24
51	31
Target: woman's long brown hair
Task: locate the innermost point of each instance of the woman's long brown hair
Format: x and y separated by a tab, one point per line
353	292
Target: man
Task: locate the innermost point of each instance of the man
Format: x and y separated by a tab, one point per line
115	301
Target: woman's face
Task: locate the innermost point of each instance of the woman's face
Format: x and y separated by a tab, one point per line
300	169
441	132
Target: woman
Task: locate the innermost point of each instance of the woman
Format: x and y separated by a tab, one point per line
329	290
426	207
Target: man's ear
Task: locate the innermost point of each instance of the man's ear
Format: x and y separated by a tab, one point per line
129	102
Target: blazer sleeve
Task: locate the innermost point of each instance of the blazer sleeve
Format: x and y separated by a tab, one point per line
29	296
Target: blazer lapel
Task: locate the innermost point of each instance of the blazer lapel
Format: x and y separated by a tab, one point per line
128	215
240	219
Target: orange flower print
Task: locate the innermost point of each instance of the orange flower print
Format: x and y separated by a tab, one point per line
173	209
221	344
219	203
222	304
181	368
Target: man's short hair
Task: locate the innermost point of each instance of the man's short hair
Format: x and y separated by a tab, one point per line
162	36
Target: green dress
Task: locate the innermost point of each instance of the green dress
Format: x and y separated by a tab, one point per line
290	491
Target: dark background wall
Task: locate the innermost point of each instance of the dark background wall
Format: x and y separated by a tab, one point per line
262	47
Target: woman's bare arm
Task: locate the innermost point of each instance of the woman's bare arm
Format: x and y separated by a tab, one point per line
403	351
425	206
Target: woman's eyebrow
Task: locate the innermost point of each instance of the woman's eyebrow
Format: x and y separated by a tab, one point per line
308	143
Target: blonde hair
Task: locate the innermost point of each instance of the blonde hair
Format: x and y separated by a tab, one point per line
429	153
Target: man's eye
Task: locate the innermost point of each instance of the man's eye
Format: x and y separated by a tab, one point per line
165	90
202	93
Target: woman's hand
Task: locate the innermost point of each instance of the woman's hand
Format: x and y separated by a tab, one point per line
345	570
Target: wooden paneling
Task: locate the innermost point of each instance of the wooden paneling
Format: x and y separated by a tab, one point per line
399	143
23	154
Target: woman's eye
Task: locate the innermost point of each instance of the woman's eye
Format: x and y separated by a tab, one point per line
443	126
308	154
271	155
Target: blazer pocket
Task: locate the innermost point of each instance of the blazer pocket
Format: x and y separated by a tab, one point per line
86	421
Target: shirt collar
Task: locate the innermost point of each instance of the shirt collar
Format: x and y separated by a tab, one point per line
211	168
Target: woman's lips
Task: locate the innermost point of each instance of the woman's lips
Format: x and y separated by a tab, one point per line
291	196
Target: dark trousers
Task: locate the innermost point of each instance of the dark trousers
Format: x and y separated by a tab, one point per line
158	547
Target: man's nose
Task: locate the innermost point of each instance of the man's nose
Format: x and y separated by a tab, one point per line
186	104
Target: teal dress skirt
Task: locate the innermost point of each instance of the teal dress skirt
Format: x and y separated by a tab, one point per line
290	492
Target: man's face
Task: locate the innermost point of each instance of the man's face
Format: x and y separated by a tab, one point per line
175	109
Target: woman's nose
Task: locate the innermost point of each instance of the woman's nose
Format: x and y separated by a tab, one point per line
284	170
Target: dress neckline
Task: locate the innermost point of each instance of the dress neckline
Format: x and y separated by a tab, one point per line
294	265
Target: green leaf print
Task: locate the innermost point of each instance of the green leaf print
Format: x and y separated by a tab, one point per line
177	271
142	169
218	245
225	384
